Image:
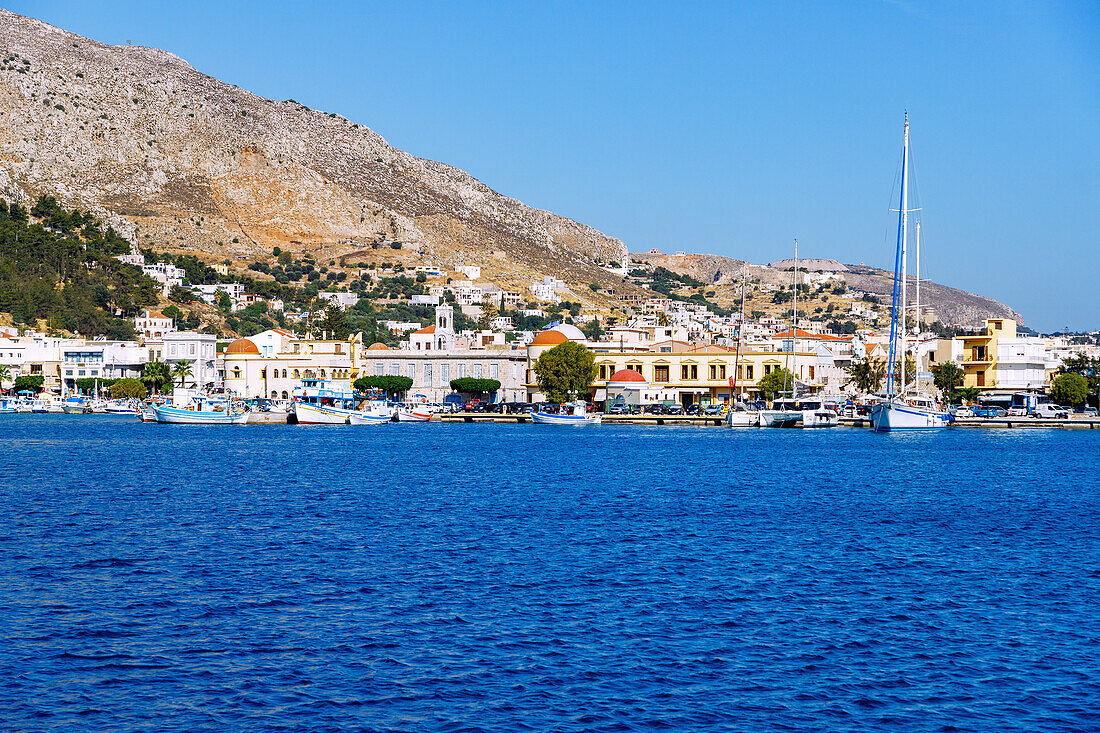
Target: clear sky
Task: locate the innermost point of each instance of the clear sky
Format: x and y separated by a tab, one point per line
725	127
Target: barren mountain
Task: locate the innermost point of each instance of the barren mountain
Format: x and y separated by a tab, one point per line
180	159
949	305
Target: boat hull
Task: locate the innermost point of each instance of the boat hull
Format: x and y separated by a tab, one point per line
546	418
177	416
889	417
743	419
413	416
321	414
780	418
819	419
362	418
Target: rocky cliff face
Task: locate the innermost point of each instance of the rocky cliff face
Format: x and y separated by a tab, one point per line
178	158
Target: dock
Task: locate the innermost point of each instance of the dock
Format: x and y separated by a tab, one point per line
847	422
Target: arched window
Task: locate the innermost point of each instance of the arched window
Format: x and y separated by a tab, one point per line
296	374
284	394
284	374
274	394
236	372
322	374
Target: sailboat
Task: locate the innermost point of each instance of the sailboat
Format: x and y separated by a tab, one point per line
785	412
903	409
739	416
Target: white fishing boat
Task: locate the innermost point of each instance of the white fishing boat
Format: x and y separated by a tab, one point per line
815	414
317	403
121	407
146	412
373	412
199	409
415	413
77	406
574	413
8	404
904	409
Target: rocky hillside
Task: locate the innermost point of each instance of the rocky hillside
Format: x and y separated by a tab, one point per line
181	160
949	305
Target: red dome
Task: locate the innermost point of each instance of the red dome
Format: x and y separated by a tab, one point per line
242	346
626	375
549	338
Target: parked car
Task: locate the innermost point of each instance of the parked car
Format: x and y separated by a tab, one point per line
713	410
655	409
617	408
674	409
1048	410
985	411
1017	411
962	412
1086	411
695	409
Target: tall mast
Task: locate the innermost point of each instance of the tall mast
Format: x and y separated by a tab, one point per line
740	330
904	238
916	318
794	329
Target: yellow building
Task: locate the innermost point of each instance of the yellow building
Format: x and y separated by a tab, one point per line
679	372
996	358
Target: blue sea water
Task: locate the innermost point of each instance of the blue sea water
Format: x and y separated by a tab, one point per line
515	577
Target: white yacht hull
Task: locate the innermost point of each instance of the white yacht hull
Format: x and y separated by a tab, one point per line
819	419
743	419
780	418
891	416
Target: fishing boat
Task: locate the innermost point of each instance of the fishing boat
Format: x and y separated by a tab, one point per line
373	412
121	407
317	403
412	413
199	409
8	404
903	408
574	413
77	406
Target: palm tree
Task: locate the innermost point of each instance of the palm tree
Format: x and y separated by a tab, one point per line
156	374
181	371
5	374
969	395
865	375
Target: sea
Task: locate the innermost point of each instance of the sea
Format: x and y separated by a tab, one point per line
479	577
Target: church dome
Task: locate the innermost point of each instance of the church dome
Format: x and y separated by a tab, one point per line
378	346
626	375
242	346
571	332
549	338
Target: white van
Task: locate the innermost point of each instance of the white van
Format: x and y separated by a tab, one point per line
1050	410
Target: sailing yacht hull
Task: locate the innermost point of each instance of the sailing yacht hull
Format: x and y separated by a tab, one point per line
780	418
889	417
742	419
819	419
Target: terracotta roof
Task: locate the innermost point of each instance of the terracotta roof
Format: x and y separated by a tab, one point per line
429	329
378	346
242	346
799	333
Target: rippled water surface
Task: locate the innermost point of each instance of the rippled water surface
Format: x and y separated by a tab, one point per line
511	577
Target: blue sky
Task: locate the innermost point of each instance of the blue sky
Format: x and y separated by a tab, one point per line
729	128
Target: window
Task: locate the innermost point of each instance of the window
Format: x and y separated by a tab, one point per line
748	372
660	373
428	374
322	374
379	368
721	371
461	370
981	377
263	374
494	371
192	349
444	373
411	370
395	369
477	371
297	374
284	394
713	372
236	372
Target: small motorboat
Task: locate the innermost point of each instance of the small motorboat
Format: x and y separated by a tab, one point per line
374	412
419	413
575	413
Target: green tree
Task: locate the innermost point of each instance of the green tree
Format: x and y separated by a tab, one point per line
1069	389
390	384
775	383
948	376
124	389
968	395
181	370
865	375
224	302
5	372
155	375
474	385
32	382
332	322
180	294
593	330
565	371
1089	368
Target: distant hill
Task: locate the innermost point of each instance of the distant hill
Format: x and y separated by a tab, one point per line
949	305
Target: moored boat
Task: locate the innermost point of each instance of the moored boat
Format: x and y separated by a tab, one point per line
577	414
315	403
199	409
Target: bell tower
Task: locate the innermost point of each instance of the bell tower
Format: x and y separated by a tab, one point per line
444	327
